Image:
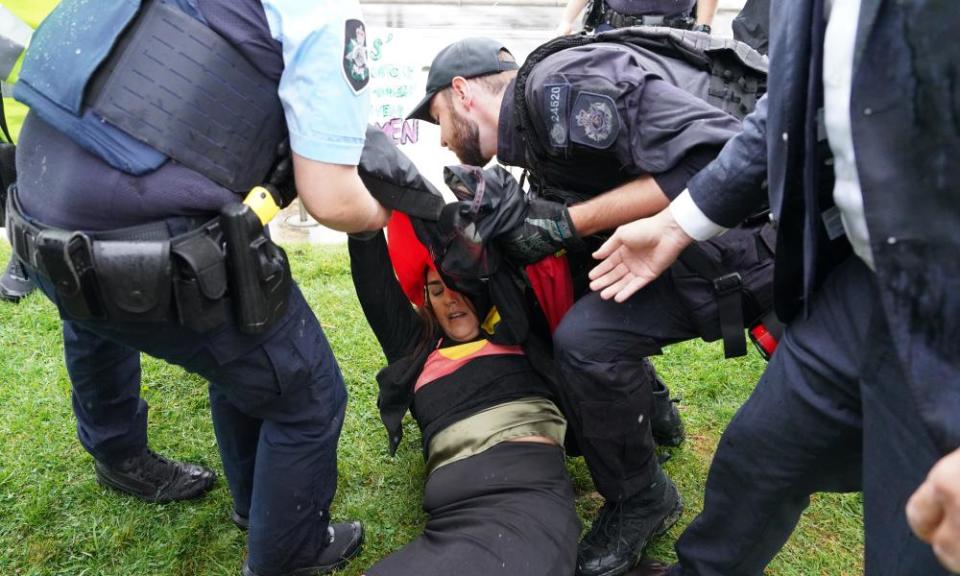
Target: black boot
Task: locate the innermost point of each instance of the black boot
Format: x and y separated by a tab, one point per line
153	478
665	422
240	521
14	284
622	529
345	541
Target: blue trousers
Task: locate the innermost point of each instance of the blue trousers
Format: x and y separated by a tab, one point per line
277	402
833	412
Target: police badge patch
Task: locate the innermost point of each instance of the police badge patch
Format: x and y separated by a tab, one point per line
355	68
594	121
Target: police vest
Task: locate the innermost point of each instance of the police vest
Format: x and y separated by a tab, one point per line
137	82
725	73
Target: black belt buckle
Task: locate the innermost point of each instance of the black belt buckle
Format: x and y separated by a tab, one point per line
67	259
727	283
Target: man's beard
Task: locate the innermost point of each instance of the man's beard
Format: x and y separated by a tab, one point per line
467	144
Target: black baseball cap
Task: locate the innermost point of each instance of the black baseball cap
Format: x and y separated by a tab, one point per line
470	57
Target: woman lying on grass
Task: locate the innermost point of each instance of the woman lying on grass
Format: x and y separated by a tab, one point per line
497	493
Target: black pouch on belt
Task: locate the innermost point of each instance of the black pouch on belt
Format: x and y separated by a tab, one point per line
67	259
258	269
135	279
200	282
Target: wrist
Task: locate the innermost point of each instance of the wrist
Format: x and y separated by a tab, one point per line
691	219
674	231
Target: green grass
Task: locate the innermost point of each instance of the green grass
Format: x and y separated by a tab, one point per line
55	518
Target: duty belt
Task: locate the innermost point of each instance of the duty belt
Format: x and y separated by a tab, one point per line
138	274
619	20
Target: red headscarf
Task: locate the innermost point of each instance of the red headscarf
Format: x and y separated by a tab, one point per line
411	260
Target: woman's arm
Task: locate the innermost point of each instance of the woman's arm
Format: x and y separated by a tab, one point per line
389	313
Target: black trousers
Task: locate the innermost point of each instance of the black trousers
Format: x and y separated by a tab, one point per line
833	412
601	348
508	510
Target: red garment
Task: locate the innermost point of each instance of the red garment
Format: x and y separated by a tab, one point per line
410	257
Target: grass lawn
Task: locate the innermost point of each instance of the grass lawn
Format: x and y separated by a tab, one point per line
55	518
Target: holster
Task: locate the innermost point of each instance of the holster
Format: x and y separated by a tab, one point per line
259	269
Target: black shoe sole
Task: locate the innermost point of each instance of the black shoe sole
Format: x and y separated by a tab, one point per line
241	522
13	298
107	482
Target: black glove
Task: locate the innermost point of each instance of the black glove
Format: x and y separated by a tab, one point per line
280	180
394	181
546	229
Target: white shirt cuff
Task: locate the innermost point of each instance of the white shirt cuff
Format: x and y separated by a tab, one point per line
692	220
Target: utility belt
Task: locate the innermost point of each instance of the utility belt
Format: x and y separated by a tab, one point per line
148	274
619	20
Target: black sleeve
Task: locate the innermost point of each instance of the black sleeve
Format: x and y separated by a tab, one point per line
395	323
674	181
730	188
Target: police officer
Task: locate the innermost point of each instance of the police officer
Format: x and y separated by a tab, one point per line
604	127
147	119
17	21
604	15
144	474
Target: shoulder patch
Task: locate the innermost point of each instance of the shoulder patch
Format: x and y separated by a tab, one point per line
594	120
554	111
355	68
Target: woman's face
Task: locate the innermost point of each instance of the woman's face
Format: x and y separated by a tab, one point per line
454	313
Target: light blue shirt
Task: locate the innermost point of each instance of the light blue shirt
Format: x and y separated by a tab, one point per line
326	117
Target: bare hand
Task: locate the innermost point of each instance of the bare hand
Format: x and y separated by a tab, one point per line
934	510
636	254
564	29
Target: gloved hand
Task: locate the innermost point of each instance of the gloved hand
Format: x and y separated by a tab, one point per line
394	181
280	180
546	228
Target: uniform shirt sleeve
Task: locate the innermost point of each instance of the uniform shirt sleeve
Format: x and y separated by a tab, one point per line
323	87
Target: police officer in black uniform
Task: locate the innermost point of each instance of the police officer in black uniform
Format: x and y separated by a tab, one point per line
147	120
605	15
614	130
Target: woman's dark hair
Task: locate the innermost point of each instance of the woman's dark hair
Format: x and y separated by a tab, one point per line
431	328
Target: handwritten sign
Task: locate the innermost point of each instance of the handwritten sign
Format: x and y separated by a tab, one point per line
396	84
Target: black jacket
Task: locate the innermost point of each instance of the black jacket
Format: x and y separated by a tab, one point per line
906	131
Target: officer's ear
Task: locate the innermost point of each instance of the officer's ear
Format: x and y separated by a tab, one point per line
461	91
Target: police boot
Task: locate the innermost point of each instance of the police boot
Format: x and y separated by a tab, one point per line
153	478
14	284
345	541
665	422
622	529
